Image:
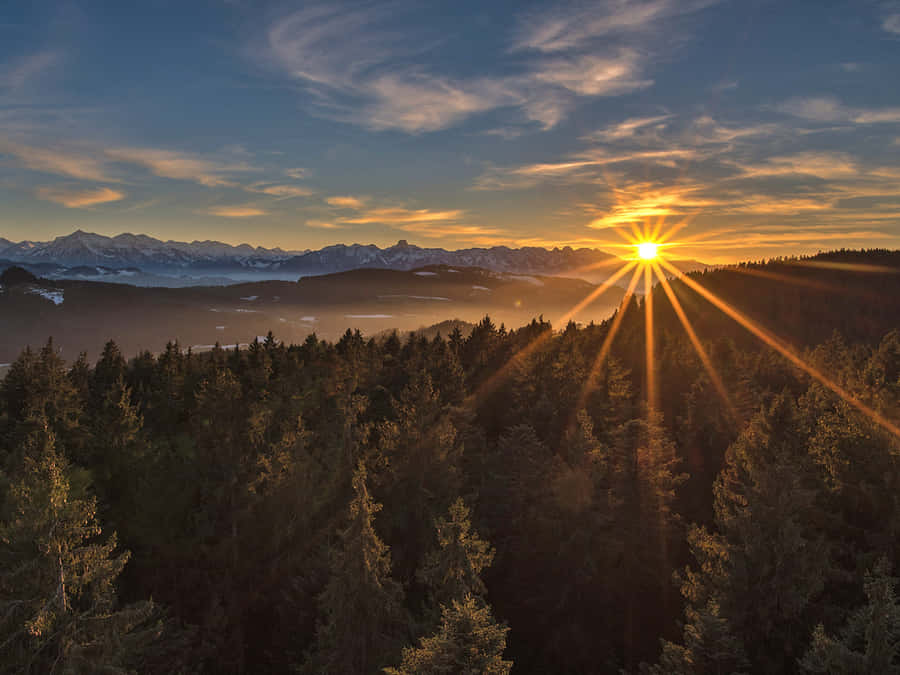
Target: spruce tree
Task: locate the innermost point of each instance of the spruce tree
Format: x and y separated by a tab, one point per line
766	563
869	644
363	614
468	642
453	570
57	597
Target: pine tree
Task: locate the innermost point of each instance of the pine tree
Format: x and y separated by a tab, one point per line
363	615
766	562
710	647
422	449
469	642
870	642
57	595
453	570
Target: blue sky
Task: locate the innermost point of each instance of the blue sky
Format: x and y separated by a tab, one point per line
766	127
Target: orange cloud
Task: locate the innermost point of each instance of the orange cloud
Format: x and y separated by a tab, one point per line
401	216
176	165
346	202
237	211
80	165
281	191
79	199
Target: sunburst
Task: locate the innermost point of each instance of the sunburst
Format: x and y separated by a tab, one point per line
647	257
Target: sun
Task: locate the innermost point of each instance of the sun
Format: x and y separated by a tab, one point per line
648	250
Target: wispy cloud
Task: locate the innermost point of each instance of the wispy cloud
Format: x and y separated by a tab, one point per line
584	167
830	109
72	163
18	73
417	103
296	173
401	216
323	224
280	191
237	211
580	24
824	165
639	204
79	199
346	202
628	128
595	75
348	58
178	165
427	222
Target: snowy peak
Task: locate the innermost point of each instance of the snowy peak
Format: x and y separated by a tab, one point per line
88	248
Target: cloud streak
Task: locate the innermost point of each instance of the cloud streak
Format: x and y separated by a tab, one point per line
80	164
177	165
80	199
237	211
830	109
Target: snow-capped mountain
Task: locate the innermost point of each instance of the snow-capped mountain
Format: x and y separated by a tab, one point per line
142	260
85	248
403	256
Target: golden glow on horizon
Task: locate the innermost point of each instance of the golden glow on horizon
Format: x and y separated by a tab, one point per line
652	267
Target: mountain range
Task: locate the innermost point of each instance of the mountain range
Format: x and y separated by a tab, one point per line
142	260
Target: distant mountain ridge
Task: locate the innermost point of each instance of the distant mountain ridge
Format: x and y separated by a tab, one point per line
87	248
206	260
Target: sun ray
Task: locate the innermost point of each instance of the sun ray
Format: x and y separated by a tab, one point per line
847	267
613	260
648	331
672	231
596	367
695	341
775	343
494	380
807	283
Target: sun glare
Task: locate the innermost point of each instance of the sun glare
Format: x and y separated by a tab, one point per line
648	250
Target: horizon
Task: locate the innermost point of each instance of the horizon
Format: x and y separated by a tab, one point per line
669	256
514	124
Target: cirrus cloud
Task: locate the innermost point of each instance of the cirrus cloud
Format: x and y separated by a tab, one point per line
237	211
79	199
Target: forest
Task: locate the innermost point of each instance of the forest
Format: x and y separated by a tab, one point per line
491	502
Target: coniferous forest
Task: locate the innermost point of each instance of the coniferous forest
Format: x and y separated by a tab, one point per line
466	503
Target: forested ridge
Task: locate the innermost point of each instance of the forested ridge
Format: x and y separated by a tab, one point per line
469	503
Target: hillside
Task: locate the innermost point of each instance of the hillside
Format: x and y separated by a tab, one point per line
81	315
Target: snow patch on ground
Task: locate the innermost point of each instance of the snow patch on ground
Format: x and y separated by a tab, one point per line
5	365
54	296
426	274
250	298
220	327
414	297
247	311
522	277
308	319
368	316
453	271
481	288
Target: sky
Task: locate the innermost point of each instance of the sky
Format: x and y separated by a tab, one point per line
758	127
